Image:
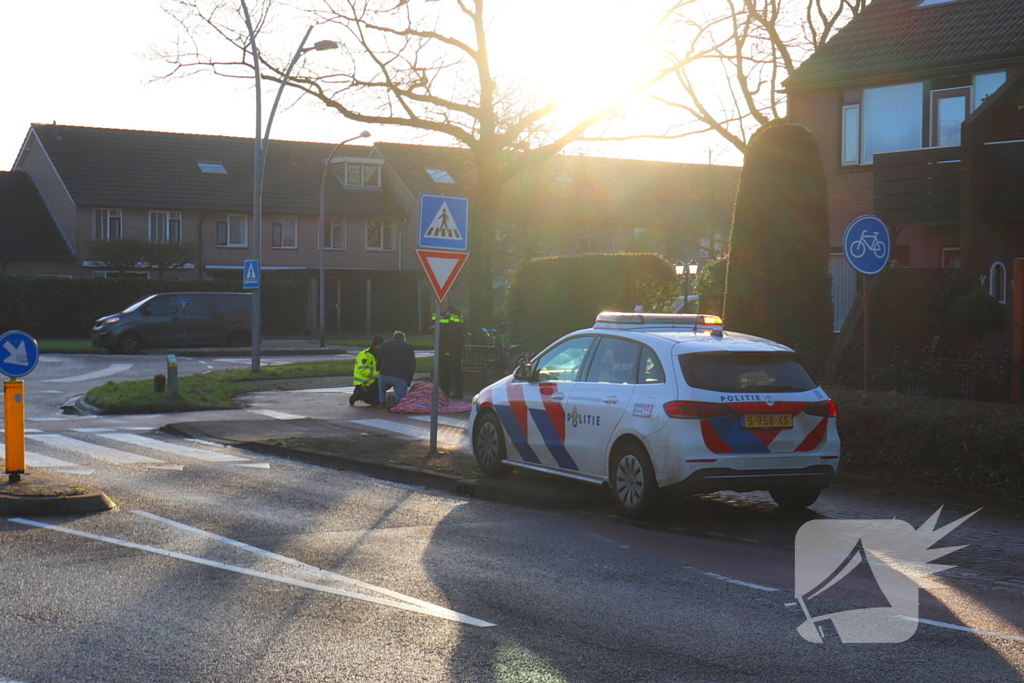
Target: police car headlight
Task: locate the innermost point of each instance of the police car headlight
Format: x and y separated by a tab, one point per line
111	320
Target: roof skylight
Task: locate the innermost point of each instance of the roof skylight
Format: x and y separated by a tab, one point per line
439	175
212	167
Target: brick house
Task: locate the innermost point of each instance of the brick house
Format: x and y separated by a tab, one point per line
73	187
918	108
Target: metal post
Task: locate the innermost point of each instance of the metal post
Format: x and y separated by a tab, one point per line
1018	330
866	289
14	429
435	377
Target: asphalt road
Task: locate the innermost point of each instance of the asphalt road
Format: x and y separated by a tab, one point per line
223	565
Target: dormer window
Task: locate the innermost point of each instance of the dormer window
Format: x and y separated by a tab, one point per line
212	167
439	175
929	3
358	172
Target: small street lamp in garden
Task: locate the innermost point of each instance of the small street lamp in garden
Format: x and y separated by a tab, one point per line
686	271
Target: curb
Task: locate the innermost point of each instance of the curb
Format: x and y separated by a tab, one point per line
41	506
931	492
496	490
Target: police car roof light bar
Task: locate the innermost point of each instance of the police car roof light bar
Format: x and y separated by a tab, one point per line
694	321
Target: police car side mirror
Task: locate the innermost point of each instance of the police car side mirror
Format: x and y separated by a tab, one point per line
523	372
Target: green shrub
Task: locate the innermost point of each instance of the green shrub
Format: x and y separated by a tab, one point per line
551	296
945	442
65	308
778	283
978	314
710	285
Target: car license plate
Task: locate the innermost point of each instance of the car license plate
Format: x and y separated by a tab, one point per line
768	421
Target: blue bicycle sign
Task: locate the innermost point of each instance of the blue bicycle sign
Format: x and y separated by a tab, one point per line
866	244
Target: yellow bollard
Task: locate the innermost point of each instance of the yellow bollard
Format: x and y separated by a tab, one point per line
14	427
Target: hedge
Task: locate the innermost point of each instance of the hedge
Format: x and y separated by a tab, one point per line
66	308
945	442
551	296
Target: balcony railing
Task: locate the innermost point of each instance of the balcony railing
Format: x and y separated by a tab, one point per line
918	186
1005	180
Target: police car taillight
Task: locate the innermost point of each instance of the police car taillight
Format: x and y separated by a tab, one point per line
821	408
696	410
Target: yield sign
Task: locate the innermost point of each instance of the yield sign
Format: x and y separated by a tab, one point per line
441	267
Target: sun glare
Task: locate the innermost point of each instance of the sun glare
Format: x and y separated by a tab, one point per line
587	53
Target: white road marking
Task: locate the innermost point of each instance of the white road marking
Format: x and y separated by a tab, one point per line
403	603
457	423
326	390
727	579
95	450
254	465
112	369
172	468
170	448
45	419
39	460
957	627
28	430
278	415
76	471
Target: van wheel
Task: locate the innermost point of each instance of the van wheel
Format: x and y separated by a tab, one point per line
795	497
239	338
489	446
632	480
129	343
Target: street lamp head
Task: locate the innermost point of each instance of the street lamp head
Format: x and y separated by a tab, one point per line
322	45
692	267
365	134
680	268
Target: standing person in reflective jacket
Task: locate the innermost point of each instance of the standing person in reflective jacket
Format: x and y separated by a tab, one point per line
364	375
450	363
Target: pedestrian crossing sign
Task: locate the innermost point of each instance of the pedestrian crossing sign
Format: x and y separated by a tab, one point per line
444	222
251	274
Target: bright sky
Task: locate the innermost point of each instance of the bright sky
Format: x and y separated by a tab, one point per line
87	64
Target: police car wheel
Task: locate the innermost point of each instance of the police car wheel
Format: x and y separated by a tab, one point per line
796	497
632	480
489	446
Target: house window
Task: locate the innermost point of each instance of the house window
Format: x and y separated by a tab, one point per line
891	119
135	274
951	257
851	134
164	227
380	235
284	233
233	232
949	109
334	238
997	282
985	85
356	174
106	225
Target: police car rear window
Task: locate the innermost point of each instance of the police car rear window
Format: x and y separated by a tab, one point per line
745	371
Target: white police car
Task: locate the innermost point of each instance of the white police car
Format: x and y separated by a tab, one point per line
644	402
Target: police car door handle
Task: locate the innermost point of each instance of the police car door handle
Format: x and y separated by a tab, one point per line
557	396
612	400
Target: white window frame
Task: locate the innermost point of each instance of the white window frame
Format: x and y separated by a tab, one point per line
282	224
137	274
387	228
107	224
357	173
165	227
228	244
849	143
329	242
997	281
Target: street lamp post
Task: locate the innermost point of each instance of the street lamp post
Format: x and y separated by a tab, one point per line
261	141
323	192
686	271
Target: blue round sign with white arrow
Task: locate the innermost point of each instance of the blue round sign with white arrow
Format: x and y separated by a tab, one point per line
866	244
19	353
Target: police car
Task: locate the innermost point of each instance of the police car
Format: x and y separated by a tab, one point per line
645	402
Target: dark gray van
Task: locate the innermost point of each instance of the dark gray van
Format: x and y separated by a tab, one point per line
177	320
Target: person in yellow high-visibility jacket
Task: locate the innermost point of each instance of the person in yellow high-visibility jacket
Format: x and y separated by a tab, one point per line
364	375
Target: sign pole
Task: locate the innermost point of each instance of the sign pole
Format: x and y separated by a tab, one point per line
1017	354
436	375
866	289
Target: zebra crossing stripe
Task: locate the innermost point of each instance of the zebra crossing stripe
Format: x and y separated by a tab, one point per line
453	422
170	448
95	450
278	415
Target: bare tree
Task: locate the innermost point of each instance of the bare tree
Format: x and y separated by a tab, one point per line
733	57
419	64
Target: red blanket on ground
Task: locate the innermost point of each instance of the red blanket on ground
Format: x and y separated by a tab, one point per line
417	401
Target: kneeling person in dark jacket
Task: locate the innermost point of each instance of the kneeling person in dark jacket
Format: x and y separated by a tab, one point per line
397	366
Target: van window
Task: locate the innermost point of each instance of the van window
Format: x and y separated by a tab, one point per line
162	307
743	371
139	304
